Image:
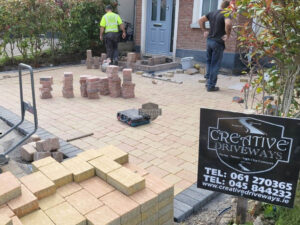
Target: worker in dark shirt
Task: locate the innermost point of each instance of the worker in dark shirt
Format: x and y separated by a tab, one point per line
217	34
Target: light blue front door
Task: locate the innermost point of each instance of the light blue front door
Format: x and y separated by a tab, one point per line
159	25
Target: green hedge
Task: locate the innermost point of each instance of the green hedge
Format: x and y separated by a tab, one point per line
29	25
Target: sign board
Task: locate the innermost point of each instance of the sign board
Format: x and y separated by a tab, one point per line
253	156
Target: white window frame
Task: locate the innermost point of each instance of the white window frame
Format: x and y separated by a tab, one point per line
197	11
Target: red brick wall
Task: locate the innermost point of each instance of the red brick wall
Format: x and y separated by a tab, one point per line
187	38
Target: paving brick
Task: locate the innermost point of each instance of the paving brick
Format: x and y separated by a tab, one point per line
115	154
167	216
80	169
116	201
150	213
58	156
181	211
146	198
43	146
126	181
65	214
36	218
90	155
10	187
158	186
152	220
103	216
103	166
16	221
42	162
84	202
34	138
57	173
50	202
136	169
97	187
27	152
171	179
39	184
5	220
68	189
170	168
40	155
5	210
24	204
169	222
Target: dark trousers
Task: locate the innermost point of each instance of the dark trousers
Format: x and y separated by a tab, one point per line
111	44
214	58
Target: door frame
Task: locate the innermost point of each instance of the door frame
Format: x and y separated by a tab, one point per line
144	27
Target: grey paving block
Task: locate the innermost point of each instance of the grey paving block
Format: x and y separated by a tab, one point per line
181	211
188	200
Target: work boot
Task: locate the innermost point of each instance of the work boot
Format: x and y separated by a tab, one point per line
213	89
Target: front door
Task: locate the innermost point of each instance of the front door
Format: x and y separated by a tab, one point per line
159	25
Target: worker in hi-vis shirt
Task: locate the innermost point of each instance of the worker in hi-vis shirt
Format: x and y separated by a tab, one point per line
109	26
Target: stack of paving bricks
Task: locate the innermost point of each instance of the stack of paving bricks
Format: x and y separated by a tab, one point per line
103	57
83	85
46	87
89	59
39	149
131	59
127	86
114	81
68	85
103	86
92	87
97	187
96	61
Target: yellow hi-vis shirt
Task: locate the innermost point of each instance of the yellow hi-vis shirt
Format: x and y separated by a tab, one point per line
111	22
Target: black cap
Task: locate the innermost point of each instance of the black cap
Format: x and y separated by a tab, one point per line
108	7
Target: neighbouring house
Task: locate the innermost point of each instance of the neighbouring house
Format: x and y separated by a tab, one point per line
170	27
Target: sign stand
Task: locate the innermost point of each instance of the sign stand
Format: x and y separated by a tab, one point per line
241	210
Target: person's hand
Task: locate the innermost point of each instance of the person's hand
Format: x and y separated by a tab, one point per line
101	38
124	35
205	34
225	37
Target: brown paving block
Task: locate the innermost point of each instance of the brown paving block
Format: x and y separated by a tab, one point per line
115	154
126	181
84	202
27	152
159	187
65	214
68	189
122	205
103	166
136	169
57	173
5	210
36	218
50	202
24	204
42	162
97	187
10	187
5	220
146	198
171	179
39	184
16	221
89	155
103	216
80	169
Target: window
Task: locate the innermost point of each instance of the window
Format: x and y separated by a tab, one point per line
202	7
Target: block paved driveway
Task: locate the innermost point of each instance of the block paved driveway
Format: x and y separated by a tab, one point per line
168	147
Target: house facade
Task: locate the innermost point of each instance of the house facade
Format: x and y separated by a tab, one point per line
170	27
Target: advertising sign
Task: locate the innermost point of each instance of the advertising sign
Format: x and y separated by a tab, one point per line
253	156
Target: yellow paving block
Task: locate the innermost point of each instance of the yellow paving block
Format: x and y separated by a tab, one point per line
42	162
57	173
150	213
126	181
40	185
103	165
5	220
115	154
50	202
152	220
166	214
81	169
16	221
36	218
169	222
68	189
10	187
146	198
65	214
165	202
103	215
90	155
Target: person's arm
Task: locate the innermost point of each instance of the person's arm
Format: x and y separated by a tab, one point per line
228	28
202	22
102	27
101	33
122	27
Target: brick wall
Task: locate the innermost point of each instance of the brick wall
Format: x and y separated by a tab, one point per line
187	38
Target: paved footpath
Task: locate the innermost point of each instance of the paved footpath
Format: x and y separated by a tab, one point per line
168	147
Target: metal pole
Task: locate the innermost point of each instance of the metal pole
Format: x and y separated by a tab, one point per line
241	210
